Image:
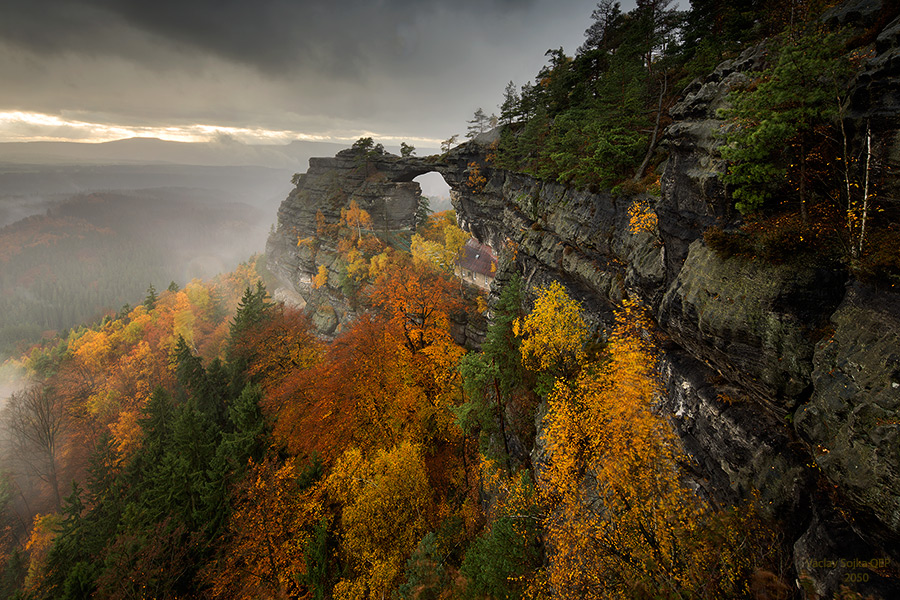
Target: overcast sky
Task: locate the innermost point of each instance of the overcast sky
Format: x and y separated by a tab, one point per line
269	70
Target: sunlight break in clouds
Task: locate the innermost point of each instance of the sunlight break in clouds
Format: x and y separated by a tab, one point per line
18	126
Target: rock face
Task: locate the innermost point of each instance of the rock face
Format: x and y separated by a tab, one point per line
382	185
379	183
853	418
753	322
695	197
780	378
875	103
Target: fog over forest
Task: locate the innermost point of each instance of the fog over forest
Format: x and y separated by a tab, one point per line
86	228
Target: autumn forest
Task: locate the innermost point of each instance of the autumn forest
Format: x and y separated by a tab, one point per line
207	444
206	440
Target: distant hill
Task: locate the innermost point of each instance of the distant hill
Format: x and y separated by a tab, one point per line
294	155
95	252
85	228
154	151
27	190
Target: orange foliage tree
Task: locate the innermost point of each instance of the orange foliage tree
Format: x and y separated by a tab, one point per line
263	547
280	345
417	300
348	396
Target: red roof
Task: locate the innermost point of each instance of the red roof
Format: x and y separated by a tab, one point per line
478	257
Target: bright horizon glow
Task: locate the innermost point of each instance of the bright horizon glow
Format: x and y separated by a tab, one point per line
21	126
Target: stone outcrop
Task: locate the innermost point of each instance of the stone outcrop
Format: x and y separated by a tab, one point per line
780	378
381	184
875	103
752	321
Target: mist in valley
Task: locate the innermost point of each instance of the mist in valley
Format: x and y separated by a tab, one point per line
80	241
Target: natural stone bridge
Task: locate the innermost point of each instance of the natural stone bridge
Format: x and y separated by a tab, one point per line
382	184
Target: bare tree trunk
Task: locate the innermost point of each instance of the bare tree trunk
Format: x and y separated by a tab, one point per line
639	174
502	420
850	210
804	216
865	199
54	481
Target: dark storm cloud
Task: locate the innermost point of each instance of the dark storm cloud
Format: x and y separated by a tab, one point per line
337	69
273	35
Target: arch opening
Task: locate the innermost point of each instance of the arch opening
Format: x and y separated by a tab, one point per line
436	189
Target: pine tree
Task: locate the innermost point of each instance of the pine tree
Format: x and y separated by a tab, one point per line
477	125
423	211
774	122
151	298
601	34
253	309
449	143
156	423
490	376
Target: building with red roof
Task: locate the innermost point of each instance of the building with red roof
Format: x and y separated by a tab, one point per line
477	264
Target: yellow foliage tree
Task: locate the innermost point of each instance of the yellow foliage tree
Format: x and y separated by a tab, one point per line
184	319
267	531
444	252
200	300
476	180
321	277
642	219
554	333
356	219
622	523
386	501
357	266
38	546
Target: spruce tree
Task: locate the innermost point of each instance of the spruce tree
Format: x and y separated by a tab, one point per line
509	108
478	124
151	298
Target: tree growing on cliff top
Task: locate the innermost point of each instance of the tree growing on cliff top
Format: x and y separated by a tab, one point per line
509	108
449	143
366	149
363	144
777	122
607	19
477	124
